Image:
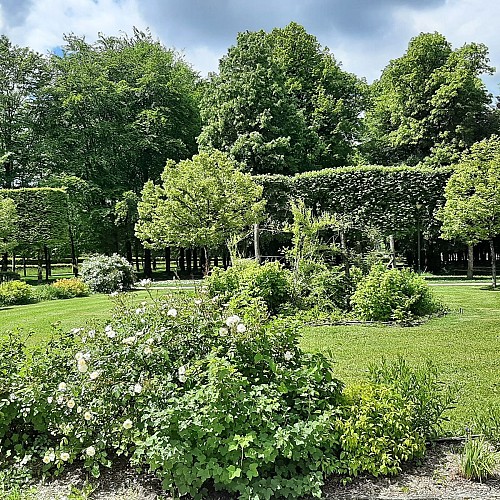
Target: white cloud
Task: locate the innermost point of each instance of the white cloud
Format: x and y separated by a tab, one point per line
47	20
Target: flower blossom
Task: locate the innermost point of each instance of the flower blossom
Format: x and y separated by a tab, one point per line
137	388
241	328
94	374
82	366
90	451
64	456
71	404
62	386
129	340
288	355
110	332
87	416
172	312
127	424
233	320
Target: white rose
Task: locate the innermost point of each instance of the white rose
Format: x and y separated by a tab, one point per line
90	451
94	375
87	416
233	320
64	456
82	366
71	404
62	386
241	328
137	388
172	312
127	424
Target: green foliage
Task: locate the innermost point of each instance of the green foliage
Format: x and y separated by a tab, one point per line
420	386
392	294
282	104
487	423
381	197
69	288
42	215
477	460
107	274
200	203
472	208
8	224
428	102
15	292
248	279
377	432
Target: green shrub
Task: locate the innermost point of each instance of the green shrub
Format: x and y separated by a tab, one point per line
420	386
15	292
270	282
477	460
202	399
392	294
487	423
45	292
68	288
103	274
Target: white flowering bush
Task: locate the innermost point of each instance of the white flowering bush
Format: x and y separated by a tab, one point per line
104	274
195	394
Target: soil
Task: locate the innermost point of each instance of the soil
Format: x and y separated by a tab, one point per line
435	477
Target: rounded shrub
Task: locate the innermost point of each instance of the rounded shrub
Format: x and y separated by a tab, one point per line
107	274
15	292
393	295
69	288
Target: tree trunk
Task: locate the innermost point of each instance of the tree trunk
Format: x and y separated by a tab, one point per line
24	266
493	264
167	259
13	262
345	257
182	261
256	242
40	265
74	258
128	251
216	261
195	260
47	262
470	262
189	260
5	262
148	273
392	252
137	266
206	269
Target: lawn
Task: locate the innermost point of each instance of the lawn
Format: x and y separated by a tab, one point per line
464	344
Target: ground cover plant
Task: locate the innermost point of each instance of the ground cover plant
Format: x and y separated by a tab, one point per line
158	384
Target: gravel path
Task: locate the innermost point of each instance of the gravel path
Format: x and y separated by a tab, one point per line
436	478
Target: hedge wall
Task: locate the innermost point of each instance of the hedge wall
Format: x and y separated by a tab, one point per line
384	197
42	215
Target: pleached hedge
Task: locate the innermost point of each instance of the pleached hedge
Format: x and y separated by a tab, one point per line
393	199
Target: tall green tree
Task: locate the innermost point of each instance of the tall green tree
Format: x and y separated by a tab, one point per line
22	73
430	104
281	104
472	210
200	203
118	109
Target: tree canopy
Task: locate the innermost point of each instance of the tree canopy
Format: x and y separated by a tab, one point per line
472	209
281	104
200	203
431	101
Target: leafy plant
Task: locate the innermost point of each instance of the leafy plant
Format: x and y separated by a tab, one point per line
392	294
15	292
477	460
68	288
103	274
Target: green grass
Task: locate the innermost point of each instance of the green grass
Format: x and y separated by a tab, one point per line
69	313
464	345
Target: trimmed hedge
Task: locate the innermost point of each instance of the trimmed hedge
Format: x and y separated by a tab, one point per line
385	197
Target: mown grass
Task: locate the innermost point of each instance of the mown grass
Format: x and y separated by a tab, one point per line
464	345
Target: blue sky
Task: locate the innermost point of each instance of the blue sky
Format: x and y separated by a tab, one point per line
362	34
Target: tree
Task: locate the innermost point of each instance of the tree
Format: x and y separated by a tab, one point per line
472	209
200	203
281	104
429	104
22	73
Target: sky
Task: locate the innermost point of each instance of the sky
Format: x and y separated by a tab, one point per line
363	35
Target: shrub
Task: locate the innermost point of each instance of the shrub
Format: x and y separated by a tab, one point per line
393	294
200	398
70	287
15	292
487	423
270	282
477	460
103	274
